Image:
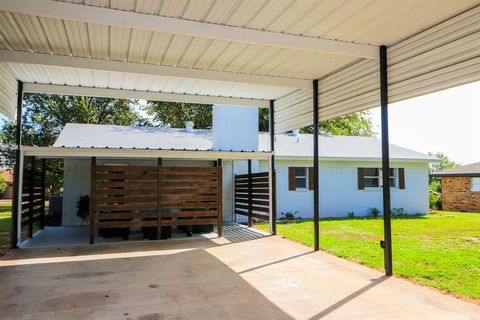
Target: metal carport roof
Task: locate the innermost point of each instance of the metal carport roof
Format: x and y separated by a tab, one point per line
238	52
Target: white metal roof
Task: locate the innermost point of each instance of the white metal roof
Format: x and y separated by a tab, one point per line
286	145
252	49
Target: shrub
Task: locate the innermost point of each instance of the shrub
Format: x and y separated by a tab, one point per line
375	212
435	200
83	206
350	214
289	215
3	186
398	212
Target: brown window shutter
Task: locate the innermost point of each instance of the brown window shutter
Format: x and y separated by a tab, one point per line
310	178
361	178
401	178
291	179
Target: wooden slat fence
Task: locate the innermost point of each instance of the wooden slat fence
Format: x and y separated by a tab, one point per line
33	196
252	197
154	196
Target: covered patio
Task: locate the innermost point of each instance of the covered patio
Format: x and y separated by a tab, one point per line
306	62
227	278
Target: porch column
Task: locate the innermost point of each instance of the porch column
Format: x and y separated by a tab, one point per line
42	184
92	217
316	194
387	228
31	198
273	174
16	199
219	198
250	204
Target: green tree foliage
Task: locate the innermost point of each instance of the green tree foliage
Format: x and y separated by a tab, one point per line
444	163
175	114
435	186
45	115
353	124
3	185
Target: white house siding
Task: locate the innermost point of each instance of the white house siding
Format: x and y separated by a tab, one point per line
339	192
77	182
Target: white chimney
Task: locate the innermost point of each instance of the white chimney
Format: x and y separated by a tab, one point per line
189	126
235	128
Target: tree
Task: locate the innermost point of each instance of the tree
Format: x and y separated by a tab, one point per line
444	163
45	115
353	124
175	114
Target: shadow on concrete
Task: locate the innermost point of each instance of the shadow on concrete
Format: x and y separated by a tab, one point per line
349	298
275	262
179	282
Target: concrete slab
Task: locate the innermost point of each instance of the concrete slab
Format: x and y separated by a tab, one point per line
67	236
240	278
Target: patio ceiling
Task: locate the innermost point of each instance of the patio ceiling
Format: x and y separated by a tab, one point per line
238	52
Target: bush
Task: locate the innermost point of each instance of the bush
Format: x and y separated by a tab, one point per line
350	214
435	200
83	207
398	212
375	212
289	215
3	186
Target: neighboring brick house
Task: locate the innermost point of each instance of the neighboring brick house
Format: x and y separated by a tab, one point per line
461	188
8	176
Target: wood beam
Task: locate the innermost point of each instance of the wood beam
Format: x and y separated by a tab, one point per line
129	19
147	69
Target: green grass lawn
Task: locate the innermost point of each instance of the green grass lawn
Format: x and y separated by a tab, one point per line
5	220
441	250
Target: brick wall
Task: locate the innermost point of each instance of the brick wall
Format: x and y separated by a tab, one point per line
456	195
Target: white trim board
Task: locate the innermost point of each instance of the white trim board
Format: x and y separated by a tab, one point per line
145	95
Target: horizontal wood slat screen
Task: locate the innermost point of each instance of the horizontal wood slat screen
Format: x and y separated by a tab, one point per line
153	196
33	196
252	197
182	190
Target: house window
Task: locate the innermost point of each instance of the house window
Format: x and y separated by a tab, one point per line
372	177
301	178
475	184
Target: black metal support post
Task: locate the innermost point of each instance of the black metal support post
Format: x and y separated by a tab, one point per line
31	197
42	184
250	204
316	193
16	170
387	225
273	173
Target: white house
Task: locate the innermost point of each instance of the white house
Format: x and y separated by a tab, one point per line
350	175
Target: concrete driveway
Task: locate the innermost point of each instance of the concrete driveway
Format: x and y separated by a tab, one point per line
236	278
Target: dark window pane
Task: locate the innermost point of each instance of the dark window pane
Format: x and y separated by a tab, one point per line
301	183
371	182
372	172
392	172
301	171
392	182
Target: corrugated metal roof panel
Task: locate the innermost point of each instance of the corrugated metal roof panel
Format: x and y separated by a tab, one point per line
8	92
